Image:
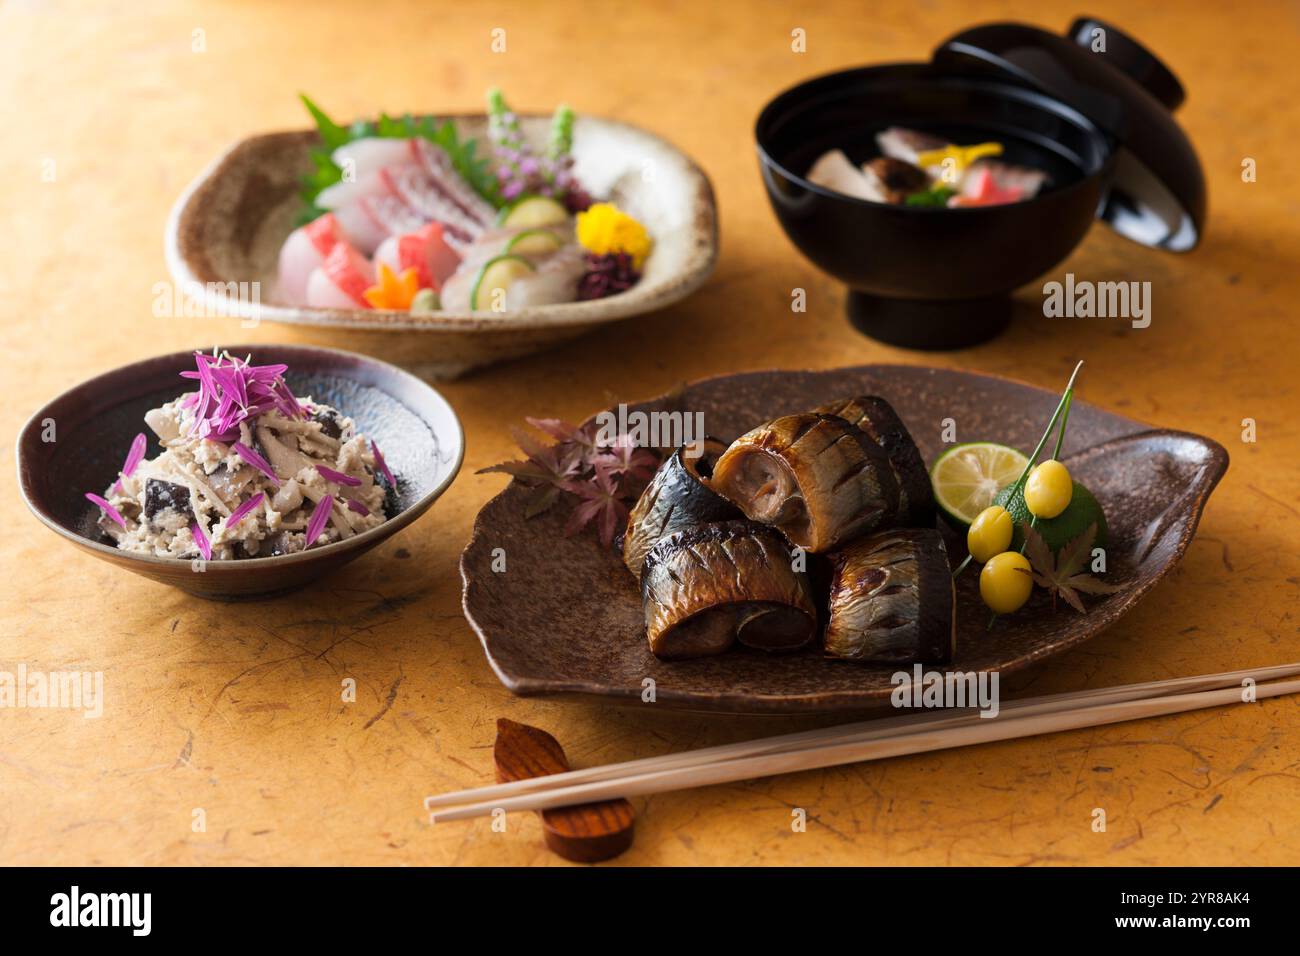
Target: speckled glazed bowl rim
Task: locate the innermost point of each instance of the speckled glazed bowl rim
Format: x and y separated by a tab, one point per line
181	360
638	300
1002	87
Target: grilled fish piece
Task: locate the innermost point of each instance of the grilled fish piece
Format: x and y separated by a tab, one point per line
817	478
710	585
892	599
877	418
675	499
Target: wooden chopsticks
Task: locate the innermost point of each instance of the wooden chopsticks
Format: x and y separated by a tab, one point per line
868	740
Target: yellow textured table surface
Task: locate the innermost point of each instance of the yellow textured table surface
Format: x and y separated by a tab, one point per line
236	710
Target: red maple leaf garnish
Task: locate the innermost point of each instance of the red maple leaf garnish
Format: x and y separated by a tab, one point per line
602	503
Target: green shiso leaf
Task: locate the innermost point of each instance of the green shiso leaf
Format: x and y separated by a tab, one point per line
324	173
936	197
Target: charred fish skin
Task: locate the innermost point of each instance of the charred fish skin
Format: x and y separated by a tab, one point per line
677	498
877	418
707	586
815	477
892	600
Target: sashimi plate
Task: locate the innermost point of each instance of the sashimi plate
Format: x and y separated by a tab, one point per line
565	616
225	233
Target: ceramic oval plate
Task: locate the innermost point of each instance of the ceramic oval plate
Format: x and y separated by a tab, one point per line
228	226
95	422
565	616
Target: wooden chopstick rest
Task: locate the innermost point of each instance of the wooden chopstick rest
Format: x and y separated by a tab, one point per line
586	833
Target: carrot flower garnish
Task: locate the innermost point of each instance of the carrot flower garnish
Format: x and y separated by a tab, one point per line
393	291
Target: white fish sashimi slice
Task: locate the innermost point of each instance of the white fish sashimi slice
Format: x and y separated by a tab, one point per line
324	294
454	296
835	171
418	190
362	229
371	154
438	165
347	192
555	281
298	257
393	215
493	242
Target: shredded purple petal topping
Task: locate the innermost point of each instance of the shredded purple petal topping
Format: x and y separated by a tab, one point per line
358	507
232	392
318	519
329	474
108	509
383	465
201	539
133	459
256	460
238	514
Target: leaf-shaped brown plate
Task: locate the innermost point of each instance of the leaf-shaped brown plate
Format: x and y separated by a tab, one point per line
564	617
228	226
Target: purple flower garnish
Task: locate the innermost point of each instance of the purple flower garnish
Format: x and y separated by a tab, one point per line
257	461
329	474
383	465
232	392
358	507
318	519
238	514
133	459
201	539
108	509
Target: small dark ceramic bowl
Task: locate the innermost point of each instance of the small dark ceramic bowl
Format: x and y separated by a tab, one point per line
921	277
94	423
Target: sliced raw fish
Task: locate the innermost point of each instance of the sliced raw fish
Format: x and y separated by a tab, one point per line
493	242
710	585
421	193
555	281
835	171
892	599
425	250
341	280
361	228
455	292
304	250
372	153
348	192
392	214
438	164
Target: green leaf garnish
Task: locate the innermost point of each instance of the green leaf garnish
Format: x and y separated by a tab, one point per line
324	173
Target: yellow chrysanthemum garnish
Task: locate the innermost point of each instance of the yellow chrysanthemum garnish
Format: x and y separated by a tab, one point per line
393	292
604	230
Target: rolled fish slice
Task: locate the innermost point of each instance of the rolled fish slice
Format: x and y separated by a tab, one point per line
877	418
675	499
816	478
892	599
704	588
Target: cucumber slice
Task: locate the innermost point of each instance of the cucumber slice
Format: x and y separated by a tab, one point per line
534	242
495	274
532	212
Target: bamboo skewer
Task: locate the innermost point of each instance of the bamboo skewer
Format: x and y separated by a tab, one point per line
854	751
861	731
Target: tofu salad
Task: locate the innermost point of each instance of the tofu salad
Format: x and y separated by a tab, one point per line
247	470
